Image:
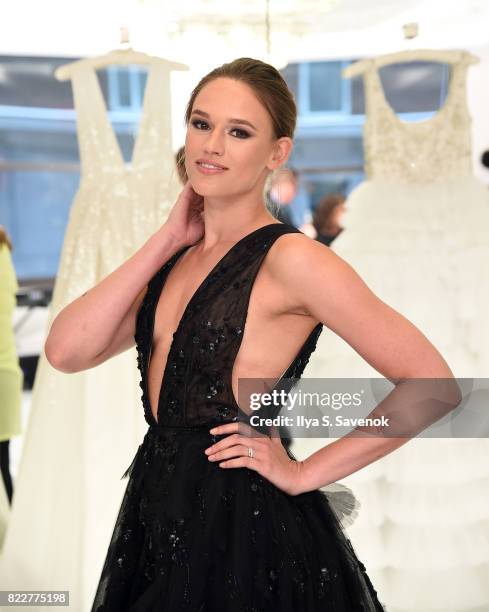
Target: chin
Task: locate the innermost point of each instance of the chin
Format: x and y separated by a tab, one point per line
205	189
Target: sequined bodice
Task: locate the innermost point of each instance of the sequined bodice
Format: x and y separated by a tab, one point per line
436	149
197	381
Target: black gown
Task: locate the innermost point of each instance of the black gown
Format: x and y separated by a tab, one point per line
192	536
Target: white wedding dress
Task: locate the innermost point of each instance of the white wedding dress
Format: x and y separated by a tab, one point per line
417	232
84	428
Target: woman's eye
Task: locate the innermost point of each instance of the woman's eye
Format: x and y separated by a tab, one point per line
243	133
195	122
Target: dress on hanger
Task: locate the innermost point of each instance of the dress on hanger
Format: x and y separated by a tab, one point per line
191	535
84	427
416	231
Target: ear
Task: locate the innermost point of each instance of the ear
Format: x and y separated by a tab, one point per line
282	148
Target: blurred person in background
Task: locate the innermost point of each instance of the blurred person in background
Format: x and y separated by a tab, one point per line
11	377
281	192
327	217
290	193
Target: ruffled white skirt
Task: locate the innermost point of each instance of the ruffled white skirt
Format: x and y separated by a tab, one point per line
423	526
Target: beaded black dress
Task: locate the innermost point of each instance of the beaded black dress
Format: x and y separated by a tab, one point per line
191	536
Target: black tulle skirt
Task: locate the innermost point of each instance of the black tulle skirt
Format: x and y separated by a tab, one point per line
196	537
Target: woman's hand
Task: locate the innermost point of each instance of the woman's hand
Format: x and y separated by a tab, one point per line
185	221
269	459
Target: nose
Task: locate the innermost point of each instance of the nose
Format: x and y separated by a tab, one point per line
214	144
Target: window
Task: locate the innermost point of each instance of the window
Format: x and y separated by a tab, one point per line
39	158
126	86
325	88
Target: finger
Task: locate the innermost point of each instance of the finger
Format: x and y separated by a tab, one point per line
226	428
240	462
231	440
236	439
235	451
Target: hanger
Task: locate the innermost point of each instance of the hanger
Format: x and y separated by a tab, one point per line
448	57
124	55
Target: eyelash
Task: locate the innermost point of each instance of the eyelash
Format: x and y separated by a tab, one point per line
246	134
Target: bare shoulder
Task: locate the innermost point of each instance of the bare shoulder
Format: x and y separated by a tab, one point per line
316	279
297	255
328	288
293	265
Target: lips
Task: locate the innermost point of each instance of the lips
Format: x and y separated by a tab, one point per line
210	163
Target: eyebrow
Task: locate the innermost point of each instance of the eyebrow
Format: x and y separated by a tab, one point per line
240	121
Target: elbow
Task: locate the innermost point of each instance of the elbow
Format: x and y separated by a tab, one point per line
442	388
436	376
56	357
448	386
455	395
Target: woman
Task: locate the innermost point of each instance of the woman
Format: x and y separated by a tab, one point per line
216	517
327	217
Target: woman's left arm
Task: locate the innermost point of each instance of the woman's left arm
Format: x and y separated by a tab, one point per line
332	292
329	289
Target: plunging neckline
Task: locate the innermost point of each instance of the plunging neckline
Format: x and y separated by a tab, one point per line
104	113
424	122
193	297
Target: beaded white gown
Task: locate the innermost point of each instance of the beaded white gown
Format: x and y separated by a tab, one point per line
417	231
84	428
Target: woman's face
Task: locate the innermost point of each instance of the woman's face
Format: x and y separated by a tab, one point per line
219	131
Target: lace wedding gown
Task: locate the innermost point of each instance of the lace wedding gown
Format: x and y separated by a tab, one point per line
417	232
84	427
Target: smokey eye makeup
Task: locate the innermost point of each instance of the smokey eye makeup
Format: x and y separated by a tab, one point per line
244	133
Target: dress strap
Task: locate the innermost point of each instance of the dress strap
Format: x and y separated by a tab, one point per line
97	142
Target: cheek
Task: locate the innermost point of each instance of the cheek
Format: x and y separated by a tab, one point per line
188	143
249	159
191	153
192	140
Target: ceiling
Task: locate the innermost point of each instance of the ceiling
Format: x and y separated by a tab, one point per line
305	28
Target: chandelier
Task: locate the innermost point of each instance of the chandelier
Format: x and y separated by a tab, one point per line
222	29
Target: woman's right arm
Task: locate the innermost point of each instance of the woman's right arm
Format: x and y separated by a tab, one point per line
102	322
